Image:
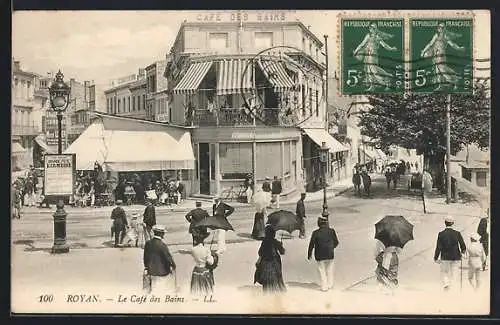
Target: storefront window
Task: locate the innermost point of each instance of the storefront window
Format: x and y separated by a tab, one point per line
235	160
212	161
268	159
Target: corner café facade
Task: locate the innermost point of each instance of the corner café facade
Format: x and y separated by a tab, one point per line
212	89
124	146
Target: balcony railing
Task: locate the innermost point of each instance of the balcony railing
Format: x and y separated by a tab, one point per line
25	130
239	117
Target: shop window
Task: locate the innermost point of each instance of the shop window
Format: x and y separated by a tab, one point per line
268	159
263	40
317	103
218	40
235	160
212	161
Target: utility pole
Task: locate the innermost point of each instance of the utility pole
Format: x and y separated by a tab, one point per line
326	83
448	149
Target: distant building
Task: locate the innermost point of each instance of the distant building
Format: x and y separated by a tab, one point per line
29	101
157	99
127	96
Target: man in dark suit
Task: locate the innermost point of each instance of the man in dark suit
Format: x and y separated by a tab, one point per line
450	247
266	186
323	240
221	210
149	218
482	231
193	217
119	223
300	211
159	264
276	190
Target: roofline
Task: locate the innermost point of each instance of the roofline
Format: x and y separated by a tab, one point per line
101	114
124	85
248	23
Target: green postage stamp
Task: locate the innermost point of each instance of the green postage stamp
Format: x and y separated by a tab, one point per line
372	56
441	55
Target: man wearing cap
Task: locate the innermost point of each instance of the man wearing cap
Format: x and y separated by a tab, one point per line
193	217
159	264
120	222
300	211
450	247
149	218
221	210
482	231
323	240
266	186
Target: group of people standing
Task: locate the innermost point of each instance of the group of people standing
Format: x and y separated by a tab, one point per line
449	253
361	176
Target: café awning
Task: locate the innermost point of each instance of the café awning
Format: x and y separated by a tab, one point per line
234	76
276	74
320	135
133	150
41	141
193	77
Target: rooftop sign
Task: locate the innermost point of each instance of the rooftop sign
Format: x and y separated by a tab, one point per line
242	15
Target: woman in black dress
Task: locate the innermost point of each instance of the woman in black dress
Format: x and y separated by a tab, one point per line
269	272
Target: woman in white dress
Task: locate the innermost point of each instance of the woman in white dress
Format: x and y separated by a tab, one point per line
202	279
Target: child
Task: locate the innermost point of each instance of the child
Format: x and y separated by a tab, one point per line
131	236
477	257
137	224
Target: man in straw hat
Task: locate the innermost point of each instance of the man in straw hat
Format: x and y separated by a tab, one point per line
323	240
159	264
120	223
450	247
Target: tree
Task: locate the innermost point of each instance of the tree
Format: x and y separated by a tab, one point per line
418	121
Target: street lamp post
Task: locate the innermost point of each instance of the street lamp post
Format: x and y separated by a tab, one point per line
59	93
323	157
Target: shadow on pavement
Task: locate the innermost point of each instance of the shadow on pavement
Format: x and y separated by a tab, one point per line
28	242
303	285
244	235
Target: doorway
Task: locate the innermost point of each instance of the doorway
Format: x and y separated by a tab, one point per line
204	155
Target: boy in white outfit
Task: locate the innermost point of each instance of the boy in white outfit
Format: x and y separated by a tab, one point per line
477	257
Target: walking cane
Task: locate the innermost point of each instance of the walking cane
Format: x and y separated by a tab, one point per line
461	273
423	200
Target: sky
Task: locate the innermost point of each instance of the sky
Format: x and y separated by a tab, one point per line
105	45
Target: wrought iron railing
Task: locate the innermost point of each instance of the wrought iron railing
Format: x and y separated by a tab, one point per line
239	117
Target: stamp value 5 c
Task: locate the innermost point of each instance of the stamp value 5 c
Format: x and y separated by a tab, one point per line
441	55
372	56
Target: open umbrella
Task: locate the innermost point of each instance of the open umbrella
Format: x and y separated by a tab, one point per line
394	231
284	220
214	222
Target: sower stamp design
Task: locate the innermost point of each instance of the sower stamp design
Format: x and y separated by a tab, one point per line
441	55
372	56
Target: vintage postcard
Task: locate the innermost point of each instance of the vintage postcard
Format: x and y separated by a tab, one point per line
251	161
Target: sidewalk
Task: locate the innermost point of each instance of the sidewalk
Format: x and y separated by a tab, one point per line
189	204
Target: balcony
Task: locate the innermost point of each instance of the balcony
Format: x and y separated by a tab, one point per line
24	130
240	117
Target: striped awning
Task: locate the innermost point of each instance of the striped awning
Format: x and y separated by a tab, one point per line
193	77
276	74
235	75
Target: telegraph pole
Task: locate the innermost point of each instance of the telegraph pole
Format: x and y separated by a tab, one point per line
448	149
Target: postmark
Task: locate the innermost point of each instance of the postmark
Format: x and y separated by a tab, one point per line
441	55
372	53
282	74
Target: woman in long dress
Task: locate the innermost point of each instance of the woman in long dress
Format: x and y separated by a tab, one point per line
367	52
436	49
269	269
202	279
387	259
259	224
